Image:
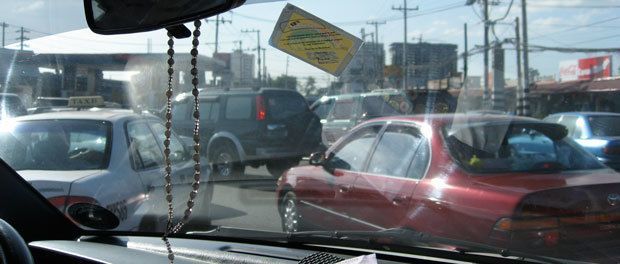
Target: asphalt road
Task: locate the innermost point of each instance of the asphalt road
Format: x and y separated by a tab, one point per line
246	202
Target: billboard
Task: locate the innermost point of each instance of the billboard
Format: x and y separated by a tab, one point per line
585	69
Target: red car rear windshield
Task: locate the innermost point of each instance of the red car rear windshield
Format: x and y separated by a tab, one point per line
514	148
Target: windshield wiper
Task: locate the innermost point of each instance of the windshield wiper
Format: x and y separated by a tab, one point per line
381	238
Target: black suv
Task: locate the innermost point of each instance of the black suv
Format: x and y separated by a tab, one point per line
255	127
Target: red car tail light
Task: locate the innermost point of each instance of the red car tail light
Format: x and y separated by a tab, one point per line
63	202
537	232
615	150
545	231
261	112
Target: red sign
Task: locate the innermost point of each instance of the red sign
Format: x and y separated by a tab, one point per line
597	67
585	69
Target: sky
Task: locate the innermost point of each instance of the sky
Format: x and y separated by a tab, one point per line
557	23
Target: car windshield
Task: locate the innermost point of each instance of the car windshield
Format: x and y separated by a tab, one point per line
605	126
60	145
492	122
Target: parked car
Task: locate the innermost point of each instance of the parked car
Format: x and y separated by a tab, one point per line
597	132
109	158
493	179
11	106
255	127
340	113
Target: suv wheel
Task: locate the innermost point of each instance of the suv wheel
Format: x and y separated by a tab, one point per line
226	161
277	167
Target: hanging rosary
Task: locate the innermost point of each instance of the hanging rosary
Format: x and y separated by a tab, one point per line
171	228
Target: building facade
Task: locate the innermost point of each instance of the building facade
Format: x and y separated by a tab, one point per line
425	62
242	68
365	71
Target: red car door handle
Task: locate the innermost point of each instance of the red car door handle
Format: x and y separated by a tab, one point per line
400	199
344	188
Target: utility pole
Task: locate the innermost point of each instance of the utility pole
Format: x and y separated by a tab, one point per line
498	77
21	38
264	65
217	21
485	94
465	57
4	26
526	65
378	57
404	9
257	50
519	73
286	74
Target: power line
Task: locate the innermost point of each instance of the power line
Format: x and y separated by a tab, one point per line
574	6
359	22
596	39
539	48
505	14
578	27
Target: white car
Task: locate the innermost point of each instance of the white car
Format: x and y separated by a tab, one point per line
112	158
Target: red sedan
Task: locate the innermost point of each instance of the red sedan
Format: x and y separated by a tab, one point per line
513	182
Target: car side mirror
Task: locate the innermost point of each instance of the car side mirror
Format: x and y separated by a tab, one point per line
317	158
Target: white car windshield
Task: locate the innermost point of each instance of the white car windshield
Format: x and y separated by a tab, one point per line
56	145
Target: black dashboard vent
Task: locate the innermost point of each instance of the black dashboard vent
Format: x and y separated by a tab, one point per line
321	258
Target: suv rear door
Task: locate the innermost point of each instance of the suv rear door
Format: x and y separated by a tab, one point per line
239	118
290	121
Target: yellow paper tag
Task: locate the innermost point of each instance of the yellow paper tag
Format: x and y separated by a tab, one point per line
314	40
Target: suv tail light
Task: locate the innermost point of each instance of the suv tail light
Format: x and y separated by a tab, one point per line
261	112
63	202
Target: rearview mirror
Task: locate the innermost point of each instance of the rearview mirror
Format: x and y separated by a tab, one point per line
129	16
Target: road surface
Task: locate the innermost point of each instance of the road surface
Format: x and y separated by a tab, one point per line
245	202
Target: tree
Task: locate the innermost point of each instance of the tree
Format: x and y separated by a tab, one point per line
534	75
286	82
310	86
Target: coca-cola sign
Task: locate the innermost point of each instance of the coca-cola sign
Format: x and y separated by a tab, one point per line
585	69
